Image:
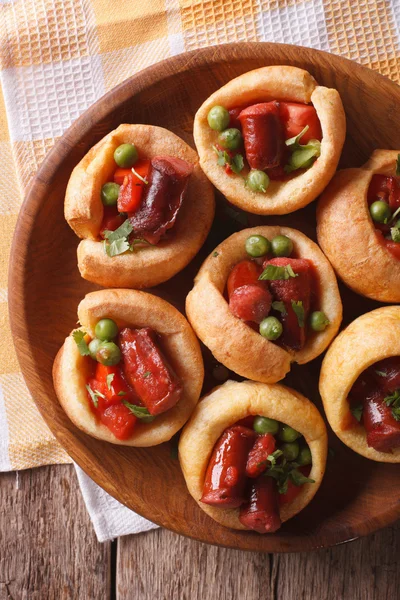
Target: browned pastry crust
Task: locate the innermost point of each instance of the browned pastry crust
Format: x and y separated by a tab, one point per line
234	343
262	85
133	309
367	340
150	265
232	402
347	235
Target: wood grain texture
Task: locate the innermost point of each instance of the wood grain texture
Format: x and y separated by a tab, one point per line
349	502
48	549
162	565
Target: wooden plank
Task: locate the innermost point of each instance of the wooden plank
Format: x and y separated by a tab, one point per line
48	549
164	565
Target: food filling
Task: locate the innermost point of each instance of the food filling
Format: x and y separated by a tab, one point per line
258	464
384	206
268	140
374	402
130	378
143	201
275	293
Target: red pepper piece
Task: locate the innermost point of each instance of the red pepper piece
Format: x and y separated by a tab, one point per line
225	479
250	303
111	220
261	513
386	189
120	175
234	117
116	389
383	431
257	461
297	289
162	198
131	191
244	273
393	247
119	420
148	371
296	116
263	135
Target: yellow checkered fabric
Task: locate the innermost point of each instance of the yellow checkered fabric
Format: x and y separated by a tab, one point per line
59	56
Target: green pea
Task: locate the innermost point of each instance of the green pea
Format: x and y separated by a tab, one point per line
288	434
231	139
257	181
304	457
126	155
218	118
106	329
290	450
281	245
257	245
109	193
318	320
93	347
108	354
380	211
271	328
265	425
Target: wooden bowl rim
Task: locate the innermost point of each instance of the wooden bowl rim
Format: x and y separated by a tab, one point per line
31	205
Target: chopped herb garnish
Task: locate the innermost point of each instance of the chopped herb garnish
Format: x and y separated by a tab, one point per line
298	478
393	400
146	375
109	379
381	373
94	394
215	254
117	242
357	411
236	163
294	142
303	156
274	273
274	456
140	412
79	338
280	307
282	470
395	233
394	215
123	231
298	309
139	176
121	393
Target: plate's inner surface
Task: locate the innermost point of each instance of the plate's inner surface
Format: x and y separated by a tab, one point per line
357	495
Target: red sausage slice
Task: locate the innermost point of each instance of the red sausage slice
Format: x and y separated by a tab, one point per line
258	455
225	478
263	135
261	513
383	431
250	303
162	198
296	289
244	273
148	371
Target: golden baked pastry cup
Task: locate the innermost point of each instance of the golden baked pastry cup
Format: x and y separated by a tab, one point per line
151	265
347	235
367	340
235	344
283	83
230	403
131	308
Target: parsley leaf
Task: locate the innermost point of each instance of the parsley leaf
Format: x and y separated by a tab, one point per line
121	393
117	241
281	470
298	308
215	254
395	233
280	307
140	412
94	394
146	375
117	247
123	231
298	478
357	411
303	156
274	456
393	400
273	273
398	165
381	373
79	339
237	163
109	379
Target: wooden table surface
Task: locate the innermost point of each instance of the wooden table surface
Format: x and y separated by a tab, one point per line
48	550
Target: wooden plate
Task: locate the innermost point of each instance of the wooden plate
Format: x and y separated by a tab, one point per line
357	496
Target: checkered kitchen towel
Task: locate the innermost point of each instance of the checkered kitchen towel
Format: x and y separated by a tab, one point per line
59	56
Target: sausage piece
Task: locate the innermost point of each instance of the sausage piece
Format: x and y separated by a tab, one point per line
162	198
250	303
147	370
258	455
263	135
383	431
296	289
261	513
225	479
